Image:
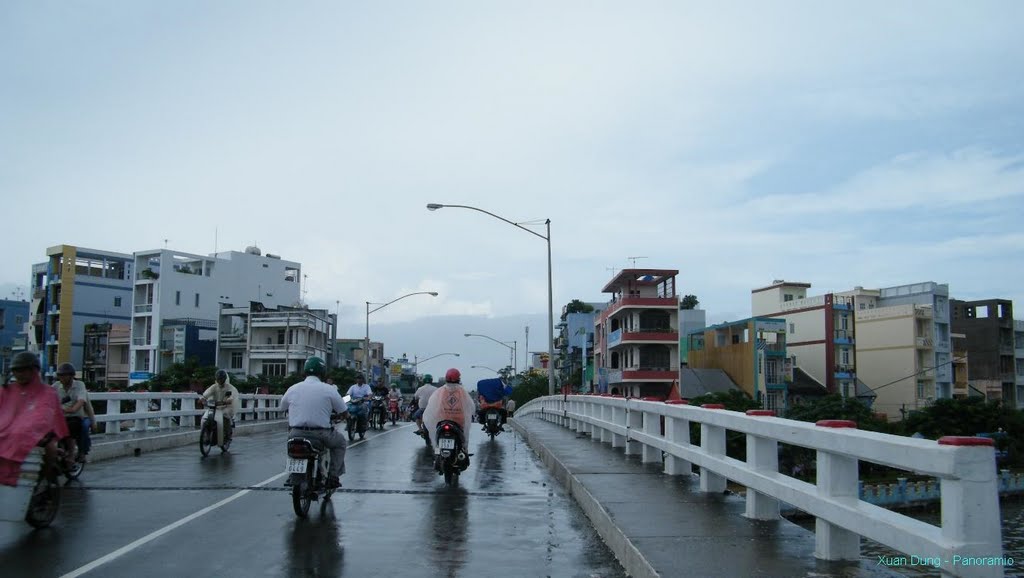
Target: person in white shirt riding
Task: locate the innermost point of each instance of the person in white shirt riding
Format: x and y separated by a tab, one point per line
310	404
360	390
223	394
422	396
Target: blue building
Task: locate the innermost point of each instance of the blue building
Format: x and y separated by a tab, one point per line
13	316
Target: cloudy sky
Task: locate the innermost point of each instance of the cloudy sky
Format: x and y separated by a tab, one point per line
840	144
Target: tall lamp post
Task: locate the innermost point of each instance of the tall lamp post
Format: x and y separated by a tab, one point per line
511	348
366	342
416	361
551	306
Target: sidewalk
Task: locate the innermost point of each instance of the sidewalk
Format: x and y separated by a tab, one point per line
108	446
660	525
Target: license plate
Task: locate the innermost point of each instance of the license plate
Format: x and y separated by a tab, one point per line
492	415
296	466
446	443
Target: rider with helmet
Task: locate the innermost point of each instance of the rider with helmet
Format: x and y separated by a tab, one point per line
30	415
74	400
422	396
451	402
309	404
223	394
492	394
360	390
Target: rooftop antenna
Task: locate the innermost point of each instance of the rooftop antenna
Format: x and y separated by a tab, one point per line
165	243
633	259
612	269
305	288
215	240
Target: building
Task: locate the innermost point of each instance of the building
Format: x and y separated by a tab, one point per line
13	320
961	381
904	348
690	321
76	287
178	297
752	352
989	329
347	353
821	332
254	340
576	336
1018	356
636	336
105	355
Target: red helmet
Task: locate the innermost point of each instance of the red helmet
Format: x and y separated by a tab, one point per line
452	376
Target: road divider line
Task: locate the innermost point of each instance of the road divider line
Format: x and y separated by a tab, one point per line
171	527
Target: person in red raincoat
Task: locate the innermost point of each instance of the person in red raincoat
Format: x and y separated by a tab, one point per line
30	412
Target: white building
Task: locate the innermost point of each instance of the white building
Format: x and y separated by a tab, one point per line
253	340
175	291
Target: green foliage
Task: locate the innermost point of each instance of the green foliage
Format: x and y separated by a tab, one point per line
577	306
530	386
689	302
183	376
734	400
969	417
835	406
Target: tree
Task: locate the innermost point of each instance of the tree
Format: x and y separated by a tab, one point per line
734	400
531	385
970	417
835	406
577	306
689	302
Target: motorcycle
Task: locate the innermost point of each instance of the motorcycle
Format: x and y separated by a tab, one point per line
212	431
452	459
308	465
378	412
36	498
393	410
492	419
70	465
356	418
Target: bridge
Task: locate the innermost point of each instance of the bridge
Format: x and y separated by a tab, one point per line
548	499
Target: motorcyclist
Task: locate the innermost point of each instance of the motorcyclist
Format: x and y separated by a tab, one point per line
422	396
73	398
225	395
492	394
30	415
451	402
309	404
360	390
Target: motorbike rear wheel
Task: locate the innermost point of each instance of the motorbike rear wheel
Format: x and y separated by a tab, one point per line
45	501
206	438
301	498
74	470
351	426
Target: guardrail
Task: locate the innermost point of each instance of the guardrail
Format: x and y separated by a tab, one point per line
968	542
165	410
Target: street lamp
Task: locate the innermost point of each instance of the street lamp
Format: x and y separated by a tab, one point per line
366	351
551	306
511	348
416	360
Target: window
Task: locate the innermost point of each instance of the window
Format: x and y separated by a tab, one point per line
787	297
18	320
846	356
862	305
124	356
236	360
117	301
197	300
792	327
920	390
280	336
844	322
273	369
177	297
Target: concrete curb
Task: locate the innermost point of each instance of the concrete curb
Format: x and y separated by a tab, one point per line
116	448
632	560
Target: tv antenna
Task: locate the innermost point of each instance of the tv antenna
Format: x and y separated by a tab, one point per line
612	269
633	259
165	243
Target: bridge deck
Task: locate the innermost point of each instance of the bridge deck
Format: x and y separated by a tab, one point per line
663	525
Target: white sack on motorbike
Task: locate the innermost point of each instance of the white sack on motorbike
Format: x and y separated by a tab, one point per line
450	402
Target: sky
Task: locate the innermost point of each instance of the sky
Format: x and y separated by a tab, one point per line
839	144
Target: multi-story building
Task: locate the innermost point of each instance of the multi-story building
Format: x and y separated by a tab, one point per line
821	333
960	361
752	352
254	340
636	336
1018	356
690	321
989	328
178	296
576	336
13	320
105	355
76	287
347	353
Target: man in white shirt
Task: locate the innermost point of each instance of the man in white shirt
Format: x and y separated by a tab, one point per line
223	394
360	390
422	396
310	404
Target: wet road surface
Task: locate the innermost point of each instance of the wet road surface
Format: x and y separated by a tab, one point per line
173	513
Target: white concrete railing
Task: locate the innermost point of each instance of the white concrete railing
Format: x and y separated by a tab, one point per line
968	542
156	410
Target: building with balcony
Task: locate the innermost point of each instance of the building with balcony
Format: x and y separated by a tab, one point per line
576	336
75	287
348	353
13	320
178	296
1018	356
636	336
821	333
105	354
752	352
989	329
960	361
255	340
690	321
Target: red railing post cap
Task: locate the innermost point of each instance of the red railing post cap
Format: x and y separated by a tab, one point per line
836	423
766	412
965	441
652	398
678	402
713	406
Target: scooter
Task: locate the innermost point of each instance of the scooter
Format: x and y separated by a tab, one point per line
378	412
492	418
308	465
36	498
452	459
393	409
357	418
212	431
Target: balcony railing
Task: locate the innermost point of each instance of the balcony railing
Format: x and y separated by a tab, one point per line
144	308
924	342
140	341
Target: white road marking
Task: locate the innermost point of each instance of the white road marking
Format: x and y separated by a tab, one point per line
166	529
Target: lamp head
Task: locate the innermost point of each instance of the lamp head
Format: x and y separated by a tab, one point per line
466	334
433	293
434	206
